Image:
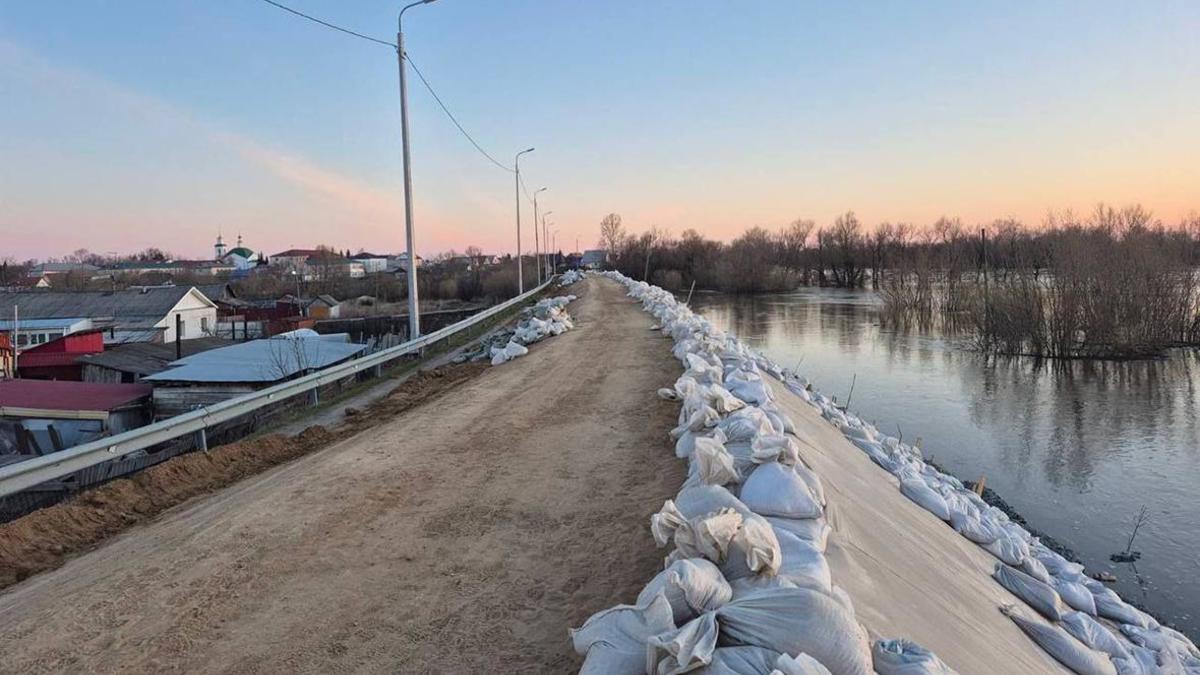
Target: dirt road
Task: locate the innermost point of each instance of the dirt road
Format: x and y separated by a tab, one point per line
464	536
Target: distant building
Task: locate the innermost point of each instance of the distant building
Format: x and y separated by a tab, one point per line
26	283
145	314
594	259
34	332
51	269
371	262
399	264
239	258
321	307
58	359
129	363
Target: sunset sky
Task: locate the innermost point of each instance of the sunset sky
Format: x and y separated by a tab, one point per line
134	123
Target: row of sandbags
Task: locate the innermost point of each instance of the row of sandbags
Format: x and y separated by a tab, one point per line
746	589
569	277
1090	630
548	317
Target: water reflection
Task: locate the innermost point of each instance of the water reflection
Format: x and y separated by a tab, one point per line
1077	447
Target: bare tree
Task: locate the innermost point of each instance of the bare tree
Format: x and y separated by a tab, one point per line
793	245
612	233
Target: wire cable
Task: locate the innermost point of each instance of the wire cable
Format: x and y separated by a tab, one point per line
330	25
420	75
449	114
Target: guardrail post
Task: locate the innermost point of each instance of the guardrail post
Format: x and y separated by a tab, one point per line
314	398
202	440
377	370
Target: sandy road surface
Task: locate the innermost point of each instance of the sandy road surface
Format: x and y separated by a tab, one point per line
462	537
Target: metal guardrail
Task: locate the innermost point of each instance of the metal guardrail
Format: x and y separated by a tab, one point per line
24	475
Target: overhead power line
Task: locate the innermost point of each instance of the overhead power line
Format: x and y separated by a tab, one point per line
424	81
449	114
330	25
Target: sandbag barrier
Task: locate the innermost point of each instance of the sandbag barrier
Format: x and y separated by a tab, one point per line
1123	640
569	277
746	589
547	317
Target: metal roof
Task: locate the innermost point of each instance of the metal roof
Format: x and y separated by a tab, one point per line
145	358
34	324
147	303
269	360
56	395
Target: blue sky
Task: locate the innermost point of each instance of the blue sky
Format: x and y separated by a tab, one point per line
133	123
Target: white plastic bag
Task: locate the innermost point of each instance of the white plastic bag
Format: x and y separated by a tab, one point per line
925	497
1093	634
801	664
614	640
902	657
795	620
778	490
1064	648
1032	592
692	586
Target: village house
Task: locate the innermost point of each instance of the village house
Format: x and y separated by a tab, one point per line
140	314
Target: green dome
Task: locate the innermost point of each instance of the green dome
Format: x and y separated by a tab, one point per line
242	251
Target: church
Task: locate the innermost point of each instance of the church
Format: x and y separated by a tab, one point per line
240	257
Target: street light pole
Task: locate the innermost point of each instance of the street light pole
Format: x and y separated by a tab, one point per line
545	238
536	251
414	318
517	173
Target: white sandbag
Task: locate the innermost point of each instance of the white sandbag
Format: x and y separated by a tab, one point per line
614	640
798	664
815	530
1055	563
1111	606
714	465
1093	634
1032	592
698	420
775	448
682	649
795	620
740	661
902	657
738	546
925	497
698	501
1064	648
685	445
692	586
1034	568
669	394
746	424
801	664
1074	594
803	563
720	398
1009	549
973	527
777	490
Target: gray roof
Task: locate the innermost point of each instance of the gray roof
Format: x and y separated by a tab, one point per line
145	358
596	255
149	303
267	360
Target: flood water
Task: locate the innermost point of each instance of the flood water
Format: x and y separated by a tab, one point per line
1077	448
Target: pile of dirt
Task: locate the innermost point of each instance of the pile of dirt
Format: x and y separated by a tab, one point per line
44	539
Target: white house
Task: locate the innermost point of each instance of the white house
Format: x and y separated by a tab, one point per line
139	314
371	263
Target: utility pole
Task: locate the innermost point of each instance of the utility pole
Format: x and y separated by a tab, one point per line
537	260
517	174
545	237
414	318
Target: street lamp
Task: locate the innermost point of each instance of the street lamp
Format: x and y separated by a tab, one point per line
544	237
536	259
554	268
517	171
414	318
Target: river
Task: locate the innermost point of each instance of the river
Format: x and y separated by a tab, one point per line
1076	447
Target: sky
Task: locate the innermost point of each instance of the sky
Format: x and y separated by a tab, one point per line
133	123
